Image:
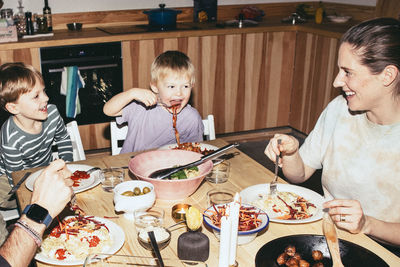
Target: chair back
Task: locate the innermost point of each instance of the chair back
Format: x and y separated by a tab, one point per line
77	147
118	135
209	127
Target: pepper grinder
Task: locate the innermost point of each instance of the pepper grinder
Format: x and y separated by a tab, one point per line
29	23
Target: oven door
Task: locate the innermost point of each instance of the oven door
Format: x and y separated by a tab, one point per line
102	77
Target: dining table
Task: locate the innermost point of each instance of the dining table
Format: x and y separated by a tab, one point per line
244	172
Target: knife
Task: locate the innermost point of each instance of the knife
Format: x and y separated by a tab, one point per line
15	188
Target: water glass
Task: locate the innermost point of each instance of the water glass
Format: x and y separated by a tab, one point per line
220	196
110	177
220	173
152	217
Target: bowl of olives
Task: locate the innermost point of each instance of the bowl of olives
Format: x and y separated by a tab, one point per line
133	195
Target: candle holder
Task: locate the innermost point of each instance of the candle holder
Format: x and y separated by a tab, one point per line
179	212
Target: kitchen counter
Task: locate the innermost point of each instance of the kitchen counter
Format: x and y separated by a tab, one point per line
185	29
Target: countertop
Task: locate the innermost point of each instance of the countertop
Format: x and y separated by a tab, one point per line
184	29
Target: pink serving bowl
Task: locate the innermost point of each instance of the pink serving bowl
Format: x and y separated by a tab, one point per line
147	162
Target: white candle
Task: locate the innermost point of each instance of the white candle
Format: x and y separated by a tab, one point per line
234	219
224	240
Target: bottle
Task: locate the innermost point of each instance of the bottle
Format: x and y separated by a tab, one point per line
319	13
19	19
47	15
29	23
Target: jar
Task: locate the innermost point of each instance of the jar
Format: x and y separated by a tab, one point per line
41	24
7	14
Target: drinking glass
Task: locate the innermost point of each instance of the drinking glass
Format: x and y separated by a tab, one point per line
220	173
109	260
110	177
220	196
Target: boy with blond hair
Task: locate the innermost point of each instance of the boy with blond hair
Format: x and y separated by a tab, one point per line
149	112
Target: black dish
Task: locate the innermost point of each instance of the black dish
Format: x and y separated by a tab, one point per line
352	254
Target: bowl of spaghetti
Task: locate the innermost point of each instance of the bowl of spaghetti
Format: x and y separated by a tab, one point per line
179	186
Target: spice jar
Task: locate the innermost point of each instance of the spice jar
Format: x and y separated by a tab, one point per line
42	24
7	14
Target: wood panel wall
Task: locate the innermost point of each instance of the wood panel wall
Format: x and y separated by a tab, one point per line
315	69
243	79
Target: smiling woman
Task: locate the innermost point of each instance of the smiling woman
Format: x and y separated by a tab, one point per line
348	138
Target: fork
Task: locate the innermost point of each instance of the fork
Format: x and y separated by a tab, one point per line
273	184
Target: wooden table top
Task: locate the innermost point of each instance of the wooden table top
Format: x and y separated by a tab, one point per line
244	172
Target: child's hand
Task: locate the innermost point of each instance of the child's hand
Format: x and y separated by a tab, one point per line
145	96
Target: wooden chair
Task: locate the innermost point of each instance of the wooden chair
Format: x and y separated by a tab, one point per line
77	147
119	132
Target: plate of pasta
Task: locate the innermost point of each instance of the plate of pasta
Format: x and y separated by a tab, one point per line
292	204
70	242
82	180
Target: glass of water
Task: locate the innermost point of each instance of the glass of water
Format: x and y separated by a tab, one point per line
110	177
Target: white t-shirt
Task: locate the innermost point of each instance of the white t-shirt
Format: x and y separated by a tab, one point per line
360	159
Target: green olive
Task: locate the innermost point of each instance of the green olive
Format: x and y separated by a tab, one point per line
146	190
136	191
128	193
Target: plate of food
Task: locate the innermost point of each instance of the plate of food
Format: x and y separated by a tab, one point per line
82	180
73	239
293	204
313	249
194	146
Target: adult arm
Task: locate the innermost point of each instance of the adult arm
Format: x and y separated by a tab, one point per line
292	165
20	247
115	105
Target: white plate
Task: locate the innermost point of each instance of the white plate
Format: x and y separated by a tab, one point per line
84	184
251	194
202	146
117	235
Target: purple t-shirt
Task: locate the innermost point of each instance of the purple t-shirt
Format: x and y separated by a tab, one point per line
151	127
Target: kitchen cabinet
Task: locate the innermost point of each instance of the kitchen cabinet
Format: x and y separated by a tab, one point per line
27	55
315	67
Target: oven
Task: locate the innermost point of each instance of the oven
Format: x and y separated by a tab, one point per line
100	66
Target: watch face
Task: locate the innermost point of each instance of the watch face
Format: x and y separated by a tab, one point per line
37	213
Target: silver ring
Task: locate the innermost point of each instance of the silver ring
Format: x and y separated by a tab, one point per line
342	217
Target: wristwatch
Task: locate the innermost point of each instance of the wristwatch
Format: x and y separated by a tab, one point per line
38	214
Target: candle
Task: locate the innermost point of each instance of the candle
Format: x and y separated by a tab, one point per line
224	240
234	219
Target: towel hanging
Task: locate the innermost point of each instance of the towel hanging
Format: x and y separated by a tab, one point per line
71	82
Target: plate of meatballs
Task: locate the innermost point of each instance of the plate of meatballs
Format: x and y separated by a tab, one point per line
312	251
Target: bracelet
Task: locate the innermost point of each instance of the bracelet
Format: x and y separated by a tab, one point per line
35	235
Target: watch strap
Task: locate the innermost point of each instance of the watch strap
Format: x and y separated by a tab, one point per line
46	221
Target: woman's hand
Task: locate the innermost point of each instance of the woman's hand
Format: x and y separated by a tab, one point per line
347	214
289	145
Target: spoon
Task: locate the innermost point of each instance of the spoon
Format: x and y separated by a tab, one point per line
164	173
155	248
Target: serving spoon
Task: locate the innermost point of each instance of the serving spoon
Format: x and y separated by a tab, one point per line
164	173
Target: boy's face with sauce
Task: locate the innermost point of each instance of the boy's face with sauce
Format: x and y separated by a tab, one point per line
173	89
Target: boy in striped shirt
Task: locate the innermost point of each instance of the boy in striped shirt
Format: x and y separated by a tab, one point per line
28	134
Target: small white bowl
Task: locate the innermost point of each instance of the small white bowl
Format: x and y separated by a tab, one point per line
244	237
129	204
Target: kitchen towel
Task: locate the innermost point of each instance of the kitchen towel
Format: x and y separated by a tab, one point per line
71	82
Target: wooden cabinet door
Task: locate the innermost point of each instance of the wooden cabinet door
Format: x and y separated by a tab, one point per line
315	70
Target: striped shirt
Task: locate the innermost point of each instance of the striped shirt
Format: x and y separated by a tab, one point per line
21	150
